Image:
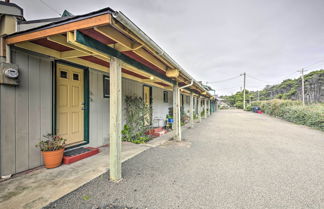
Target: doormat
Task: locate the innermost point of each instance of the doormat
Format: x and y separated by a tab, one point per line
77	154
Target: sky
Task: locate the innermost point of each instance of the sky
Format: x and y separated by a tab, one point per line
217	40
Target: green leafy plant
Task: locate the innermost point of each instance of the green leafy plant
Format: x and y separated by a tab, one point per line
138	116
294	111
184	117
52	143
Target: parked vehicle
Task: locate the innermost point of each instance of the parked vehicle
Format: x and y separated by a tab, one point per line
256	109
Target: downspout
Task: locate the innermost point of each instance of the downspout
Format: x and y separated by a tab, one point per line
137	31
179	108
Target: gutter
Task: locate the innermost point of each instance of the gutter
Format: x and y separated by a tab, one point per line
137	31
178	107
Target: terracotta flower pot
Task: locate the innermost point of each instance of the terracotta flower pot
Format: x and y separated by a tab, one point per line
52	159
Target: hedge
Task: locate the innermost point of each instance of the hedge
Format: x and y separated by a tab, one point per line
293	111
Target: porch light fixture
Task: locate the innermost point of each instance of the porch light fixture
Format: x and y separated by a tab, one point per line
151	78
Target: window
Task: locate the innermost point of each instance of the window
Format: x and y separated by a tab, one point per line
165	97
75	76
187	100
106	86
63	74
182	100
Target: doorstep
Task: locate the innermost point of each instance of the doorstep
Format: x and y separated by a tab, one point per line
70	157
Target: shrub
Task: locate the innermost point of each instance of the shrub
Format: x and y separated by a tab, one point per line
294	111
137	120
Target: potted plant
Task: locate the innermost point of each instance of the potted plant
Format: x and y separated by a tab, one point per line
52	150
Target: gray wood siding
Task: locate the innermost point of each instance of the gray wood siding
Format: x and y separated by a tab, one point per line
27	112
160	108
99	108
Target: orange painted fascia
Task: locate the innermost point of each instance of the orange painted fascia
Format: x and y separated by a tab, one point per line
77	25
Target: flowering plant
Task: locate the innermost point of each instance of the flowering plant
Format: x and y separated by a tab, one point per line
52	143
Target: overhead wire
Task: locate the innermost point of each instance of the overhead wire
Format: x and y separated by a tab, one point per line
51	8
227	79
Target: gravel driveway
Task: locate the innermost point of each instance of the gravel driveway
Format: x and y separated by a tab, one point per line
233	159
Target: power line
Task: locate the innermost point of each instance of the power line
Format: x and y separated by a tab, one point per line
49	7
249	76
228	79
320	61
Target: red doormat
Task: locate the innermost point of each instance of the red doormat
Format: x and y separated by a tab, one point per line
80	153
156	132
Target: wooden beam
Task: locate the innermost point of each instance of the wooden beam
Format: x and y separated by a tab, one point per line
117	36
125	44
60	39
205	108
191	111
73	54
77	25
199	108
88	64
71	39
97	47
150	58
115	118
120	27
133	69
39	49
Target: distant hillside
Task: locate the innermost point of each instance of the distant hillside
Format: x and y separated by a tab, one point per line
288	89
292	89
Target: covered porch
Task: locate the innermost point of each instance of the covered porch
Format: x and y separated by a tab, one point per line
108	43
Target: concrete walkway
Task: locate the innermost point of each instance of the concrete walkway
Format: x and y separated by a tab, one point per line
40	187
233	159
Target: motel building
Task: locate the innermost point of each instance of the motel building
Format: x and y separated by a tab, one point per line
70	76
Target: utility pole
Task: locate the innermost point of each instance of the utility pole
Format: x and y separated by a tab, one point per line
244	80
303	85
258	95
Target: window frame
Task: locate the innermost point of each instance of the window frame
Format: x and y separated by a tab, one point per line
105	88
187	99
165	96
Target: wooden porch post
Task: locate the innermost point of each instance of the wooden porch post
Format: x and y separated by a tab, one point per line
191	111
115	119
176	113
199	108
209	109
205	106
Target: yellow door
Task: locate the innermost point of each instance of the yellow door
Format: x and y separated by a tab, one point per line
147	101
69	103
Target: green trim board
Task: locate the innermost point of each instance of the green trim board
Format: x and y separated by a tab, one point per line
86	91
94	44
86	105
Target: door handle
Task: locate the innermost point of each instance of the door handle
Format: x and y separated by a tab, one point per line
83	106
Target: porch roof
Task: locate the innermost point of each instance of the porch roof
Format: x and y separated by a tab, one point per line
91	39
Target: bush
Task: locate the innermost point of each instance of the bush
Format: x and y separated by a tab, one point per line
294	111
239	105
137	120
248	108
